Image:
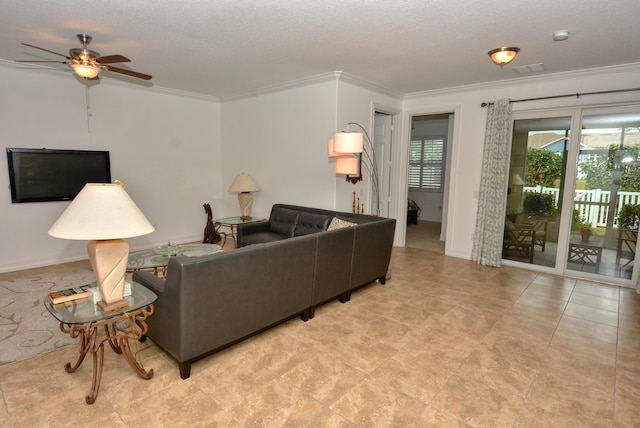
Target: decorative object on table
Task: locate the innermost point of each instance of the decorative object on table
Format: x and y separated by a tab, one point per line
105	214
211	234
243	185
502	56
169	250
348	148
69	294
586	232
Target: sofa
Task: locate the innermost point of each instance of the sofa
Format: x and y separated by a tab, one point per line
210	302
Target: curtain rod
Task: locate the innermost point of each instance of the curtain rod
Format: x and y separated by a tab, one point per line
577	95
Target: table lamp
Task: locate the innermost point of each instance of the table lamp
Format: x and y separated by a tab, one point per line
104	214
244	185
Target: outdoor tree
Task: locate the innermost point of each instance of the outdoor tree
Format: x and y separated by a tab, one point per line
543	167
598	171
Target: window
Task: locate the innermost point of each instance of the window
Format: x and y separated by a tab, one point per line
426	163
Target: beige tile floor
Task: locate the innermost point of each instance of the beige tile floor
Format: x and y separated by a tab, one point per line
444	343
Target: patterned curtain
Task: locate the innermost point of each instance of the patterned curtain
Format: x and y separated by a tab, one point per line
489	231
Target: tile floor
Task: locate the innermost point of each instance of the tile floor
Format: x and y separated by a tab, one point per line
444	343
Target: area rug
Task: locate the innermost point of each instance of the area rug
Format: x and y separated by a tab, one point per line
26	327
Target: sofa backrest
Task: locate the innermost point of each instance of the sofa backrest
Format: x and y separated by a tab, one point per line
283	221
311	223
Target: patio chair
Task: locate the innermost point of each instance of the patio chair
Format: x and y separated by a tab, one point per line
626	250
519	240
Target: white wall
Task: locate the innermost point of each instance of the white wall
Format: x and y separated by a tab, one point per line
164	146
469	127
358	103
178	151
280	139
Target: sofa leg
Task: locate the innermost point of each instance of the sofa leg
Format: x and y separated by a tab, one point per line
383	279
343	297
312	312
305	315
185	369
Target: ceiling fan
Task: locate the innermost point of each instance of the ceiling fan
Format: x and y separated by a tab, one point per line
87	63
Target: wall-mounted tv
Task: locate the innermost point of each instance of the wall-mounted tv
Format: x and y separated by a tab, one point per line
38	175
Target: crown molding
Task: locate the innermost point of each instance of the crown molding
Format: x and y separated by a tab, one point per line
113	81
566	75
332	76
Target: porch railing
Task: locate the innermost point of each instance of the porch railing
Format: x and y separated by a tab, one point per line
593	205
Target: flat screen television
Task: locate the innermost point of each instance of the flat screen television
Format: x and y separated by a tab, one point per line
38	175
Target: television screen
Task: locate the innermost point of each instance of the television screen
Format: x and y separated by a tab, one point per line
38	175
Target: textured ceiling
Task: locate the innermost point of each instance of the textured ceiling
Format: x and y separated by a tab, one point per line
230	47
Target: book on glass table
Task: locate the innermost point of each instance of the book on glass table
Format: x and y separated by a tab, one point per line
69	294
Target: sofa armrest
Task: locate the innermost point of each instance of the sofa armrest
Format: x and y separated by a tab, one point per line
249	228
149	280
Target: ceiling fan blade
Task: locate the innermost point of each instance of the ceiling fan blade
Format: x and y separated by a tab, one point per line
127	72
109	59
46	50
27	60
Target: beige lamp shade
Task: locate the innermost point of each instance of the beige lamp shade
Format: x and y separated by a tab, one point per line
243	183
347	165
330	151
104	214
348	142
516	180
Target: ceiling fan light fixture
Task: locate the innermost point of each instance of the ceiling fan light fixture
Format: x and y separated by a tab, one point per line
504	55
86	71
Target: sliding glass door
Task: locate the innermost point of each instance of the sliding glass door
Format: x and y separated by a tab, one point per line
573	204
604	221
535	195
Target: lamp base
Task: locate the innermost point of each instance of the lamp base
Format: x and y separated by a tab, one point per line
245	199
109	262
106	307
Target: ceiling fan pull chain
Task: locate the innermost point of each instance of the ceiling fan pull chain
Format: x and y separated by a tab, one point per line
88	104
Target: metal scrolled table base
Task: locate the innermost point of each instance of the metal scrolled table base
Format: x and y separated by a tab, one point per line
118	338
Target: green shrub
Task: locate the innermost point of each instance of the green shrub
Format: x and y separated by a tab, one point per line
539	203
629	216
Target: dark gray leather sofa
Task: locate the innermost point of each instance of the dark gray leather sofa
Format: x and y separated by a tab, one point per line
210	302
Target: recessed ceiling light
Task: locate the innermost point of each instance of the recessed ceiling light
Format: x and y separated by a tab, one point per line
561	35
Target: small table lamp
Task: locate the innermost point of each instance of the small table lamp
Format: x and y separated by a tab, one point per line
244	185
105	214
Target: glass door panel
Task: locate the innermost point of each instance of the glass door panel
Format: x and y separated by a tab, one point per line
605	210
536	183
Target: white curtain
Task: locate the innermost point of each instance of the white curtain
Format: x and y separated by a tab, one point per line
489	231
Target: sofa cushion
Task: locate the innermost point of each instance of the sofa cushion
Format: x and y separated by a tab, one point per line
261	238
283	221
338	223
311	223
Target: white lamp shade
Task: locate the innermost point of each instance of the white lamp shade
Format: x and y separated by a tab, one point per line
347	165
243	183
330	151
101	211
348	142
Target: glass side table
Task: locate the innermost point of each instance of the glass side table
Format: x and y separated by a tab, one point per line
156	259
232	224
83	319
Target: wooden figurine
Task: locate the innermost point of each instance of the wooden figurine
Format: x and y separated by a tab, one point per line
211	235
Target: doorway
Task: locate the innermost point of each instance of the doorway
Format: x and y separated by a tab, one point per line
427	181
